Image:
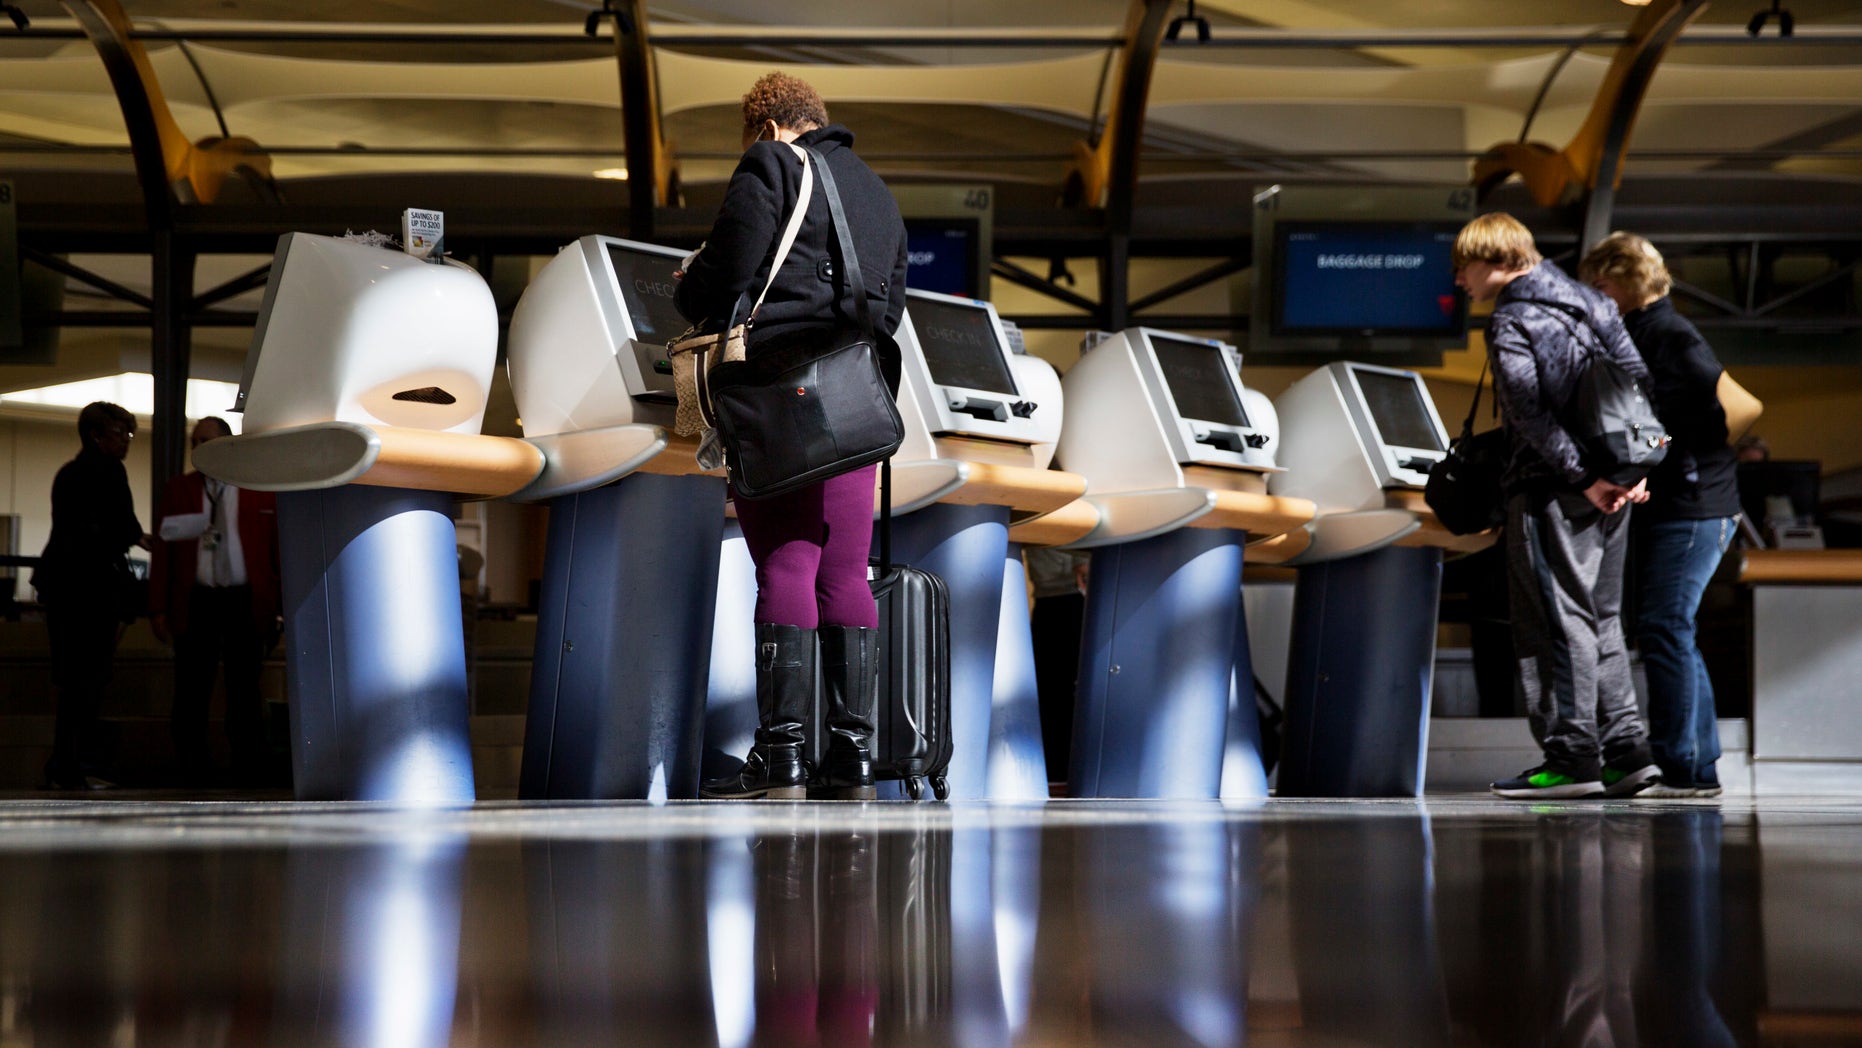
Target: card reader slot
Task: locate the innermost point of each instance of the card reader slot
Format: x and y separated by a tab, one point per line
982	408
1226	440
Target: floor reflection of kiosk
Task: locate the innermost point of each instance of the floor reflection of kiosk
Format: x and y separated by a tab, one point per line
1360	441
363	397
617	691
1174	451
980	426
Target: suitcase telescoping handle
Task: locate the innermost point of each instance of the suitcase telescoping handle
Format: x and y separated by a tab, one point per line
885	514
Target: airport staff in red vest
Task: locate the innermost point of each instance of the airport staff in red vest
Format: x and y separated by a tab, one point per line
214	594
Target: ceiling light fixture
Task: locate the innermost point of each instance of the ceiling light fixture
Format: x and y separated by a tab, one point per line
1786	23
1192	18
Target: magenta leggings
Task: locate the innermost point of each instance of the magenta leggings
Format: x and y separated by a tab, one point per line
810	549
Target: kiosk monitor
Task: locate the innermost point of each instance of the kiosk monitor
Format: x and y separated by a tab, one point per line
958	358
1202	380
1398	419
642	276
587	345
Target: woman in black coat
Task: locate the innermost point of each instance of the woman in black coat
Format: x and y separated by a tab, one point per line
810	546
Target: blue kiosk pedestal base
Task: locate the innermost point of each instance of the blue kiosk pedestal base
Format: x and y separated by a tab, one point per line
966	546
1359	673
1017	758
617	688
1157	661
374	647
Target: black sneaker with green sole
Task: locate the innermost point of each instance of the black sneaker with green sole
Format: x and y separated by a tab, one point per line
1544	782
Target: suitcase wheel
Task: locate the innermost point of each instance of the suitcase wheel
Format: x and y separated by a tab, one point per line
915	787
941	787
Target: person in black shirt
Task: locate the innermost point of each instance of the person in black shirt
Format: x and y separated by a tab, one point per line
1691	516
84	583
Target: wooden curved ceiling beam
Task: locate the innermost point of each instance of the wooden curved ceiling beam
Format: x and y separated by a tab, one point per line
1594	156
192	171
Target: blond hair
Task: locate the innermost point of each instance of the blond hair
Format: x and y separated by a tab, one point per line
1631	263
1497	239
787	100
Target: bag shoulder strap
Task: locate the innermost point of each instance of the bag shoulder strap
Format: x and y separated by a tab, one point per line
790	231
850	258
856	281
1467	424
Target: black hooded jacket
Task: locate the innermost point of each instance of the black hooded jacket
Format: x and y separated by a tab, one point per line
1537	361
808	294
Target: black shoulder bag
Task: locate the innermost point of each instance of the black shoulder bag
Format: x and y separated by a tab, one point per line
1464	488
797	415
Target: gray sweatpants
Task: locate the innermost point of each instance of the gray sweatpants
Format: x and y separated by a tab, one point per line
1565	581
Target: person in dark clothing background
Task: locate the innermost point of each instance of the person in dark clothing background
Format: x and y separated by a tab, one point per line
810	546
1566	527
214	593
1690	518
84	582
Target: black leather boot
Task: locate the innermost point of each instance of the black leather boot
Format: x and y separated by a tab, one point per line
850	682
785	698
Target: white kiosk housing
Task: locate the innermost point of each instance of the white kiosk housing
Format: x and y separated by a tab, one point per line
588	365
1357	430
1153	404
349	332
958	378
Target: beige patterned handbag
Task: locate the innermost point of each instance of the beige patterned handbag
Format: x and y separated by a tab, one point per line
718	347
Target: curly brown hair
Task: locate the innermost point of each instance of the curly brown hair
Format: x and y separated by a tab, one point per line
787	100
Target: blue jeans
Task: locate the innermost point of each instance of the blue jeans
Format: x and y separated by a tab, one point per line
1679	556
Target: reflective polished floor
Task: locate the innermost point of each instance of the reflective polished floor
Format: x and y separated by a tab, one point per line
1455	921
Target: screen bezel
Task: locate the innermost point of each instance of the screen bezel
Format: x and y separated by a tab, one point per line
607	245
1255	455
1394	454
995	323
1222	353
1455	327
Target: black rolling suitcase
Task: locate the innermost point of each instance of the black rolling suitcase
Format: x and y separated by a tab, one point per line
913	741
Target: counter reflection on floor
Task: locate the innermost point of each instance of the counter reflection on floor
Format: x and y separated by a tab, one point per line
1451	921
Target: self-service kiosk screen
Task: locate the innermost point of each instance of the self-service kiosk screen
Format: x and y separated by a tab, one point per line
960	345
1197	374
1398	410
646	289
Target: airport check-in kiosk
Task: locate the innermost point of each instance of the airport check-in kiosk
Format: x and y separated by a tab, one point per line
624	632
1174	451
363	396
980	424
1360	441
